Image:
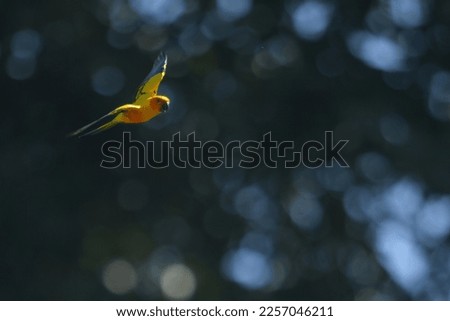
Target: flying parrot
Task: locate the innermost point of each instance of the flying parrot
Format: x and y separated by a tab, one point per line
147	104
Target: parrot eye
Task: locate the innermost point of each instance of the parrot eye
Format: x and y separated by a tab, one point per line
164	107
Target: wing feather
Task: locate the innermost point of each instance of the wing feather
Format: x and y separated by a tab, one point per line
149	87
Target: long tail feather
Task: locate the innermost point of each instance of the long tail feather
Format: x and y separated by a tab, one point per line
101	128
84	128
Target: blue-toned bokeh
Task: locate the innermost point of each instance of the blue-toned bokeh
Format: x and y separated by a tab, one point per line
376	73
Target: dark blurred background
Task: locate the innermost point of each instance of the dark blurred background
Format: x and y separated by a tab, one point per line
374	72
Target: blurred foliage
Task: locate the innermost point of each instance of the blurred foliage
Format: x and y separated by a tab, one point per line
374	72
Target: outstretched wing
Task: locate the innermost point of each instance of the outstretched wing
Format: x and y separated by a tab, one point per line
149	87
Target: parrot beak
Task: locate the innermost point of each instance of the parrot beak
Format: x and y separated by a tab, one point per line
164	107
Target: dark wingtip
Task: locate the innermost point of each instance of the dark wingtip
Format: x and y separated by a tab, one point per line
162	56
160	63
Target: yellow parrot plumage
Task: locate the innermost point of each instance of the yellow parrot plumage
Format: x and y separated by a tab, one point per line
147	103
